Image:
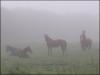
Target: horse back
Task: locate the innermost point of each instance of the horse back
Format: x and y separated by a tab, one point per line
89	40
62	42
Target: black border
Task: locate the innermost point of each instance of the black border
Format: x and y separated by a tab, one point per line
46	0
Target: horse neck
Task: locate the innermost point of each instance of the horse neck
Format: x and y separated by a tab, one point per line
48	38
26	50
83	36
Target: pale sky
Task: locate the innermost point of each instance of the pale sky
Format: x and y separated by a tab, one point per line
58	7
88	10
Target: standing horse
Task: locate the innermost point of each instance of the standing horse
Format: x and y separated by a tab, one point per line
85	42
19	52
55	43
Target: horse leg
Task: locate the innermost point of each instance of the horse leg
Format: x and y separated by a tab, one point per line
63	50
83	47
49	51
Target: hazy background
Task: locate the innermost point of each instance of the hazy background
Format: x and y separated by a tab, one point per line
27	22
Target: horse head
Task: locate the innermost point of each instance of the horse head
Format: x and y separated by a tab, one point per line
83	31
47	38
28	49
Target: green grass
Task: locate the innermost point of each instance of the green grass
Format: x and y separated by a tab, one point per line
75	61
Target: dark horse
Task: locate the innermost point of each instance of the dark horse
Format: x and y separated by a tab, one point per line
55	43
85	42
19	52
23	52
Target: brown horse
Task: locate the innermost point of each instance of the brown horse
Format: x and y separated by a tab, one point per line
19	52
55	43
23	53
85	42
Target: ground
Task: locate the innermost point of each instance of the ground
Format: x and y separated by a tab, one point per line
75	61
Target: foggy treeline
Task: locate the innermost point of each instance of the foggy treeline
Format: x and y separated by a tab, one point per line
29	25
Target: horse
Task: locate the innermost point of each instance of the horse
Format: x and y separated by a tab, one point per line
11	49
27	49
19	52
23	53
86	43
55	43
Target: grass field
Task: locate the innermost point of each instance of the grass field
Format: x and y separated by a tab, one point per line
75	61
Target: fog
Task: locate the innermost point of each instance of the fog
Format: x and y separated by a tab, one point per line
27	22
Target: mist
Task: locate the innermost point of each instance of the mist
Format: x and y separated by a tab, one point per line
27	22
43	37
